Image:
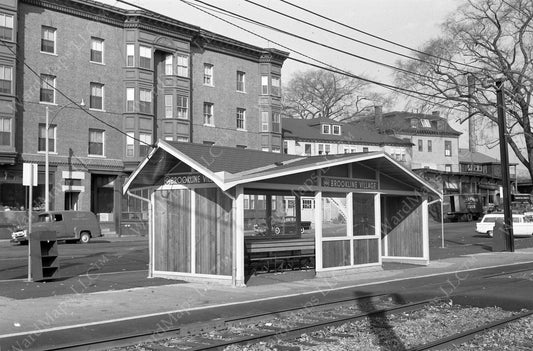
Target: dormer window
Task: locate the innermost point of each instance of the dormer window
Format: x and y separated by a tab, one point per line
414	123
336	129
326	129
425	123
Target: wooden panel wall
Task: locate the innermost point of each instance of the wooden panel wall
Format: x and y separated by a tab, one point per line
172	231
214	227
402	226
365	251
335	253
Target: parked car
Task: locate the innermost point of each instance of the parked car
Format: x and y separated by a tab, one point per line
522	225
79	226
288	225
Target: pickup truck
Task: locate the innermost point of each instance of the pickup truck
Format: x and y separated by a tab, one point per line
522	225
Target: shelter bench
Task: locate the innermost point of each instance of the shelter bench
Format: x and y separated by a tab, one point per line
278	254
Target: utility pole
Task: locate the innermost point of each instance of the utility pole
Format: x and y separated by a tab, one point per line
502	127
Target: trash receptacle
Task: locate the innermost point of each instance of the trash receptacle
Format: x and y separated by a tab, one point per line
44	255
500	239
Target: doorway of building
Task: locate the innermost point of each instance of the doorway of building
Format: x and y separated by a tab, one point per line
71	200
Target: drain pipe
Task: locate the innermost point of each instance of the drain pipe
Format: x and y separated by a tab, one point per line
150	233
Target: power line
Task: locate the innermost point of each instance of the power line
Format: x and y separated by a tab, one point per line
332	68
377	37
244	18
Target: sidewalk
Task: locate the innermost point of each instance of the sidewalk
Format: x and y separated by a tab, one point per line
151	297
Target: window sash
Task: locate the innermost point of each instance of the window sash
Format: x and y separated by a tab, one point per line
264	121
183	107
264	85
97	50
145	143
97	96
145	57
169	109
208	74
208	113
241	118
130	99
145	101
276	123
96	142
51	138
130	144
6	27
5	131
48	40
130	55
276	91
6	78
169	65
183	66
47	93
241	79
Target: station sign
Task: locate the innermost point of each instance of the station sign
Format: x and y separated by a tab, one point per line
186	179
349	183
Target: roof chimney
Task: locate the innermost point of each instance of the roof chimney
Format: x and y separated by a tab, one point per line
378	117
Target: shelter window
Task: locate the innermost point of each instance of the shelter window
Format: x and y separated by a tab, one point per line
334	217
363	215
6	27
183	106
48	40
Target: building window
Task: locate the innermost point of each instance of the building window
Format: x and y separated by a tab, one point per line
324	149
336	129
420	145
365	149
6	27
425	123
208	74
97	50
169	108
48	84
96	142
276	122
130	55
447	148
130	144
241	118
276	86
264	121
183	107
48	40
130	99
51	138
183	65
308	204
208	114
169	64
145	143
326	129
145	101
5	131
264	85
145	57
96	100
6	79
448	168
307	149
430	146
241	81
414	123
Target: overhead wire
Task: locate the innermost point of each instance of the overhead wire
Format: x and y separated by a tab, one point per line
331	67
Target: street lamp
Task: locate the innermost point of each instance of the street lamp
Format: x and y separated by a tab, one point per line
46	152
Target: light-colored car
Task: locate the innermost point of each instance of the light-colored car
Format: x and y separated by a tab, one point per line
69	226
522	225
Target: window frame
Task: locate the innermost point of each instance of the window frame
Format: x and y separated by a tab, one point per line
145	106
45	88
209	74
182	64
45	41
430	146
144	139
241	82
326	128
208	113
264	85
336	127
93	41
3	81
5	28
145	61
241	118
169	65
130	103
93	143
275	85
265	121
420	145
94	98
130	144
169	108
276	122
130	54
447	148
6	134
52	139
181	108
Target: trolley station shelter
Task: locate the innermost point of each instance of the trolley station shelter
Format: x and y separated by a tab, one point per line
367	209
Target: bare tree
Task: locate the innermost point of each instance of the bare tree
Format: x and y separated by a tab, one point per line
482	41
320	93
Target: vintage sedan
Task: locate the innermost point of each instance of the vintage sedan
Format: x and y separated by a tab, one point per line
522	225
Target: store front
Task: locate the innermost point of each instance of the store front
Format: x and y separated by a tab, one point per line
367	209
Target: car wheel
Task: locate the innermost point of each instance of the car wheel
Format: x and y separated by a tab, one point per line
85	238
302	230
489	233
277	230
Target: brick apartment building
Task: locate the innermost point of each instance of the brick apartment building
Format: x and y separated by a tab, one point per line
130	77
